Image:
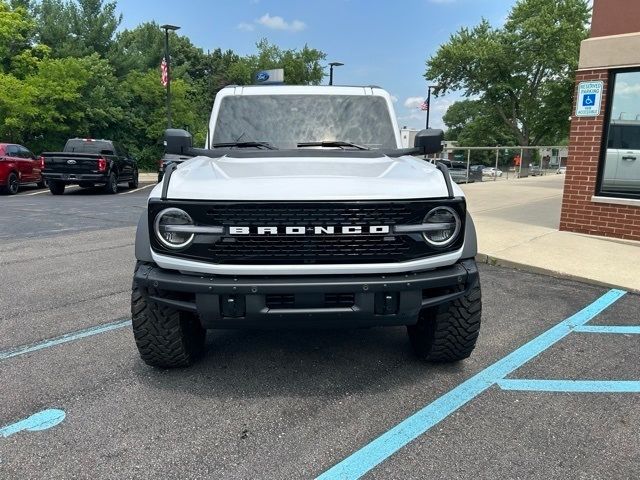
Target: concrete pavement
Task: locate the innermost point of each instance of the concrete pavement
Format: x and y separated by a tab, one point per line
517	223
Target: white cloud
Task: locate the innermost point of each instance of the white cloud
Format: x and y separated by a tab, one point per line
245	27
278	23
412	117
624	88
413	102
394	99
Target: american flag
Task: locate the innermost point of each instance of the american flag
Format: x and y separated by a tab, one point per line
164	78
424	106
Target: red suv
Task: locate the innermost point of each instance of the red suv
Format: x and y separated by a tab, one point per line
18	166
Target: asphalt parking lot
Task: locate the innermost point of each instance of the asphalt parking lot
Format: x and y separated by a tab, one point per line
552	390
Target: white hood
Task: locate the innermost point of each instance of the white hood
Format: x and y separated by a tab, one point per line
306	178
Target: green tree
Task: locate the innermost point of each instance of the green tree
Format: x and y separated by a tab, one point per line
301	67
77	28
145	120
62	98
472	123
523	72
17	28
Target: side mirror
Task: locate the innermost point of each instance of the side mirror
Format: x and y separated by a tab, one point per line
177	141
429	141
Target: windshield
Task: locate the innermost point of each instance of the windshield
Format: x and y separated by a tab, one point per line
286	120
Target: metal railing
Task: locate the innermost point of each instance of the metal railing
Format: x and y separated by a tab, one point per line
520	170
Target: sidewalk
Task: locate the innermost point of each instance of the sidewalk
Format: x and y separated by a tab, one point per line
517	223
148	177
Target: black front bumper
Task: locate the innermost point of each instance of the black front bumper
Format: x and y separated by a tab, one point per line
309	301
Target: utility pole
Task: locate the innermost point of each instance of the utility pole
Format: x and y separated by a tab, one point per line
167	59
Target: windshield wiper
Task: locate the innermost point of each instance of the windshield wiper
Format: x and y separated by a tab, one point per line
264	145
332	143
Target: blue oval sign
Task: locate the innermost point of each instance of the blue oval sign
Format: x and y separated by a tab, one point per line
262	76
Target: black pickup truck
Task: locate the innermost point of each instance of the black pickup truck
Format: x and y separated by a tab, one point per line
88	162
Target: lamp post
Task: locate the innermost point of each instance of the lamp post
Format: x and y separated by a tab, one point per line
331	65
167	59
429	88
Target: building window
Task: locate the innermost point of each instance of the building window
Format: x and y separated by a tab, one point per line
620	171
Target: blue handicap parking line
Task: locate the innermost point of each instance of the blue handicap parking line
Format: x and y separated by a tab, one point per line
69	337
42	420
574	386
623	329
377	451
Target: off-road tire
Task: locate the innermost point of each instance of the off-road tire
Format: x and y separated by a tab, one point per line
56	187
448	332
134	181
111	187
165	337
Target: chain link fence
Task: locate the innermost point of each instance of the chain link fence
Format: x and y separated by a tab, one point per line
473	164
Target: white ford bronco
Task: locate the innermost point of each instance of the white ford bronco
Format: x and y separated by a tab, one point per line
302	211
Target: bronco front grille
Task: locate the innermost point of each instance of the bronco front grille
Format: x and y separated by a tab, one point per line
254	249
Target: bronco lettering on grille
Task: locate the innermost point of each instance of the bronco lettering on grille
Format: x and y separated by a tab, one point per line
324	230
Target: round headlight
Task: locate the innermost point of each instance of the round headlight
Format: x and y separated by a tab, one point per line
169	237
444	225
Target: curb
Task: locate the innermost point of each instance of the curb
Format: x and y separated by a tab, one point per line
500	262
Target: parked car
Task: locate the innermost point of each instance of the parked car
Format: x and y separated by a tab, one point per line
88	162
18	166
293	230
168	159
491	172
622	165
475	172
458	170
535	170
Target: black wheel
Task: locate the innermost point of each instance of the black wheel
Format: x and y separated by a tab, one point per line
112	184
134	183
13	184
165	337
448	333
56	187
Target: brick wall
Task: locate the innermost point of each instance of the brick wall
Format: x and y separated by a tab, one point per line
579	213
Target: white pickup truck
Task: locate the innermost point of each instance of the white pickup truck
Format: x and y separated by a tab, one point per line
302	211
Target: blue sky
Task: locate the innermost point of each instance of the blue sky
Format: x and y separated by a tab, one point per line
381	43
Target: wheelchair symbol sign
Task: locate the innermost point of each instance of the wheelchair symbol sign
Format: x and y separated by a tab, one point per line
589	99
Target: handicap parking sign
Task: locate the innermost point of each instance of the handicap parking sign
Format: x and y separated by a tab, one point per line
589	99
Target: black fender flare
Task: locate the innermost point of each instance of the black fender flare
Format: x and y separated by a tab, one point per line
470	247
143	245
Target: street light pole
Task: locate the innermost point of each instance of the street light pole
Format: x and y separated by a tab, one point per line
167	59
429	102
331	65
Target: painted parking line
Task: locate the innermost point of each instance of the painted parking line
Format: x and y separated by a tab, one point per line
571	386
42	420
39	192
137	189
68	337
620	329
377	451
